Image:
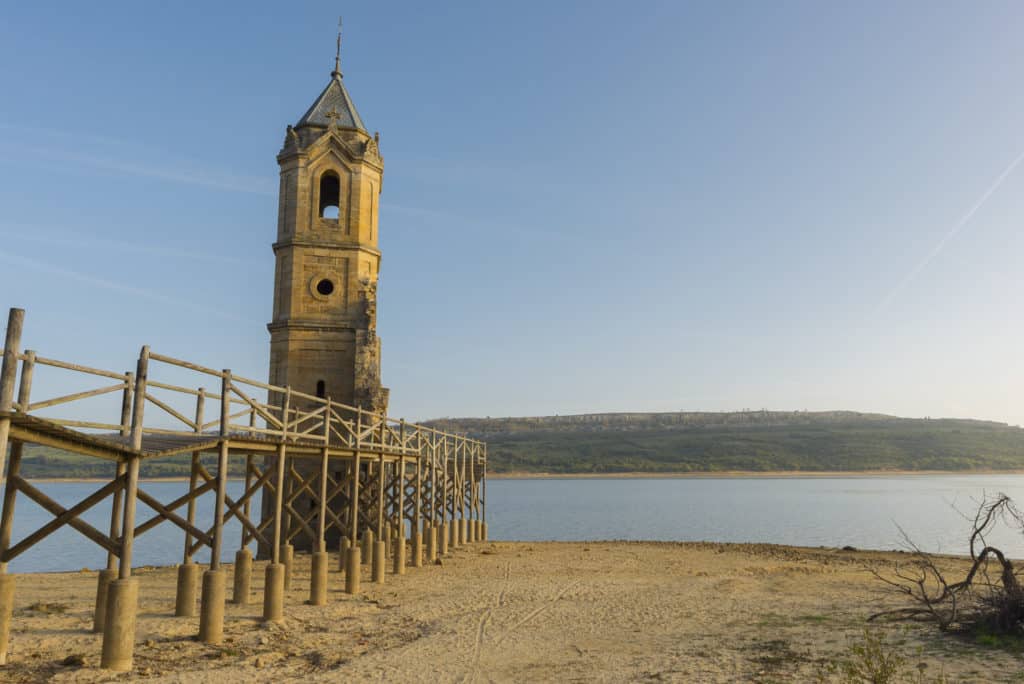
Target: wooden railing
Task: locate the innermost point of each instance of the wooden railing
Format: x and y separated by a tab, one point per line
285	415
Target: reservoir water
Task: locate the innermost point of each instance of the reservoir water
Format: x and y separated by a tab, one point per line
864	512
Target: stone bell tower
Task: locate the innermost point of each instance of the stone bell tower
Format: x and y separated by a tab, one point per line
323	337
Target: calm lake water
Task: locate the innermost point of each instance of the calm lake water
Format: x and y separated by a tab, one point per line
858	511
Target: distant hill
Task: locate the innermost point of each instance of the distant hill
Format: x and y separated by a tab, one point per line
745	440
679	443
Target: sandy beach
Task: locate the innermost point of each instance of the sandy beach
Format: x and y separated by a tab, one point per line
610	611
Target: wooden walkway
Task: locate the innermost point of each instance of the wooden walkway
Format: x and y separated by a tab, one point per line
327	473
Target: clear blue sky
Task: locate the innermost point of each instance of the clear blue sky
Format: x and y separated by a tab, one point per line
587	206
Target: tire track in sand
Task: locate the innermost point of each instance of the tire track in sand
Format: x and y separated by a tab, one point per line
481	630
534	613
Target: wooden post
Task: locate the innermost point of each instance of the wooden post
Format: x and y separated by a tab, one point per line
458	495
443	534
400	542
472	494
193	475
132	485
273	591
10	491
8	371
483	500
124	568
318	559
286	484
433	481
246	507
222	470
243	557
188	572
123	593
417	524
275	553
354	502
381	477
211	608
352	560
322	528
109	574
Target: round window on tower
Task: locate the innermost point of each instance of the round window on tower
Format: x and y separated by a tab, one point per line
323	286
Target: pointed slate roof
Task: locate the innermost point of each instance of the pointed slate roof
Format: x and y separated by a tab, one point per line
334	104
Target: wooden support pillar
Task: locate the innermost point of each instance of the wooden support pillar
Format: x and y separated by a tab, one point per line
399	566
242	587
288	551
11	491
109	574
211	609
188	572
352	561
463	478
8	371
417	523
13	468
380	547
443	533
318	561
458	497
472	493
483	500
273	590
123	593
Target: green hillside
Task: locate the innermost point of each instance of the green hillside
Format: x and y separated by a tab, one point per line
681	442
752	440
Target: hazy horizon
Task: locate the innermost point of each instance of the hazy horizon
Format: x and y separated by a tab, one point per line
586	208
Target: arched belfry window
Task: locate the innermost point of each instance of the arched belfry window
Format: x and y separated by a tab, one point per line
320	389
330	195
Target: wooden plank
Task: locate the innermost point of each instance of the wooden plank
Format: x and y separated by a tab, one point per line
259	408
171	411
83	424
73	397
109	453
170	360
175	388
79	368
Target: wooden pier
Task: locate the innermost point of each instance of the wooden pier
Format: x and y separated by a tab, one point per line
368	484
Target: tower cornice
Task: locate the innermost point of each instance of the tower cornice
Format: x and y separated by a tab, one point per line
329	244
314	325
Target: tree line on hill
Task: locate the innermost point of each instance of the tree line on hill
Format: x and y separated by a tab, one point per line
744	441
683	442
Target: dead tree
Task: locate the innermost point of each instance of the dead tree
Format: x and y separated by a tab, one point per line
989	595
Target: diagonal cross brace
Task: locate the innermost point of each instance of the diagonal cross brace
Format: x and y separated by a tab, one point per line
64	516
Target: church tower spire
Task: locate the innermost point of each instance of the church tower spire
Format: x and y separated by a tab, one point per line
337	54
323	338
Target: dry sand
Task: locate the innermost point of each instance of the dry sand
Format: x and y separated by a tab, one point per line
615	611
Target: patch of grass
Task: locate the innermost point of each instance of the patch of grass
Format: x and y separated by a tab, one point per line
876	660
48	608
1011	643
814	618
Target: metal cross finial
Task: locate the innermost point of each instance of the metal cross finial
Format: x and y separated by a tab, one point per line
333	117
337	53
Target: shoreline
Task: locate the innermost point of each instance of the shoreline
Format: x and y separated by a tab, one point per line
741	474
639	475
